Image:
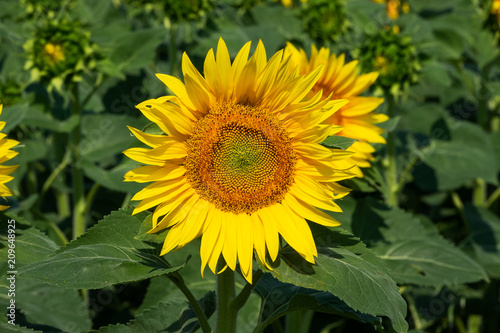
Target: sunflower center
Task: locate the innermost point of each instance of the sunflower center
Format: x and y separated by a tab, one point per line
240	158
53	53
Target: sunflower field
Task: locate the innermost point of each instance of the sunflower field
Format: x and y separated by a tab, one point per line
244	166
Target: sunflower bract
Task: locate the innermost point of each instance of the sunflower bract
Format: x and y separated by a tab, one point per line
240	162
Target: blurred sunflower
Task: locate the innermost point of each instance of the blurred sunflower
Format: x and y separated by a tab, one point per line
5	155
495	10
241	162
289	3
393	7
341	81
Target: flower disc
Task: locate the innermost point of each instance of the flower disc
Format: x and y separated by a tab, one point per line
240	158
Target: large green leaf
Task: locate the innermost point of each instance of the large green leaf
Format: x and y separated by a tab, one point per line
485	232
8	328
105	255
348	270
37	117
461	152
136	49
174	316
105	135
280	298
112	179
413	253
68	311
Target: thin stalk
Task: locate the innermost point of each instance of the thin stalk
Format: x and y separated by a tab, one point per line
126	200
299	321
479	192
177	279
493	197
90	197
244	294
414	313
79	225
391	168
226	314
173	49
56	172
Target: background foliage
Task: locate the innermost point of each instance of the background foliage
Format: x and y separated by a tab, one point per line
419	252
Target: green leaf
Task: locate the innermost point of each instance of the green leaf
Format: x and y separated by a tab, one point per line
68	311
174	316
106	134
413	253
280	298
485	227
136	49
36	117
336	141
105	255
461	152
348	270
112	179
8	328
13	115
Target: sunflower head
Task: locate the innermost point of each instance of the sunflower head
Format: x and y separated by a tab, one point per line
6	154
325	20
393	56
241	162
492	21
341	79
60	49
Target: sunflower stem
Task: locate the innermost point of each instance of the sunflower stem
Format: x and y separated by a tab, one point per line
479	192
493	197
173	49
226	314
391	197
177	279
79	226
244	294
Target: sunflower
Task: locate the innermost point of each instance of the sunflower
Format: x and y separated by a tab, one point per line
5	155
341	81
241	162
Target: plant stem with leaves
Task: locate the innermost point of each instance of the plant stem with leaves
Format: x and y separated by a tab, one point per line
79	225
391	197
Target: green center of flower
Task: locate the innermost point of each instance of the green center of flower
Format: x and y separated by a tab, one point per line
240	158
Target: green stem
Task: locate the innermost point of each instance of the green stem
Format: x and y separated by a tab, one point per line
50	179
299	321
177	279
479	192
493	197
391	197
126	200
414	313
32	179
173	49
90	197
226	314
79	226
244	294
